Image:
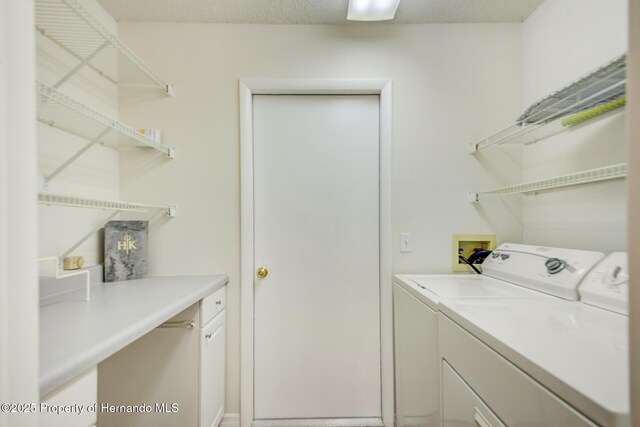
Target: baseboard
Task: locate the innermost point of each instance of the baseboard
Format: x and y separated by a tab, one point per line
416	421
230	420
321	422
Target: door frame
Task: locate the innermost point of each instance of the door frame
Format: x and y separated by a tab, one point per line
19	308
248	88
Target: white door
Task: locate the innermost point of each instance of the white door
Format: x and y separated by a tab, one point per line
316	207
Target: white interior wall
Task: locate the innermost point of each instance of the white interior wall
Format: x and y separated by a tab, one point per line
634	207
18	234
452	84
562	41
93	175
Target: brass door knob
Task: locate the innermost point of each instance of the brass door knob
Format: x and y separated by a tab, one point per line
262	272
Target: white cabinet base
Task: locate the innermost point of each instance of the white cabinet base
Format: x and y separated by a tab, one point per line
80	392
161	367
212	371
178	372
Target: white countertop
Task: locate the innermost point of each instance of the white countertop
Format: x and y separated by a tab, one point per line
76	335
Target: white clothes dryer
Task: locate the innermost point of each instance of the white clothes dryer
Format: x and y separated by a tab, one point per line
512	271
543	362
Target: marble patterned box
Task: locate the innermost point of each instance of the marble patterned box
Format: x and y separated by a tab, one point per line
126	246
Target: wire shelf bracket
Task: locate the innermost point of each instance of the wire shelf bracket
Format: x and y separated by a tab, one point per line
543	119
605	173
72	27
73	158
81	64
96	229
120	206
88	235
62	112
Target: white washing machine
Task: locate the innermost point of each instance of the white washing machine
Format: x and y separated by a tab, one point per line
542	362
512	271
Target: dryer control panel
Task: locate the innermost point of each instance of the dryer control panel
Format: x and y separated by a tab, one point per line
607	285
555	271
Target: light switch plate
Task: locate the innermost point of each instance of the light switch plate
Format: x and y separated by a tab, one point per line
405	242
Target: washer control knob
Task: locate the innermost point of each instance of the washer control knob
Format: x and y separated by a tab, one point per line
615	276
555	265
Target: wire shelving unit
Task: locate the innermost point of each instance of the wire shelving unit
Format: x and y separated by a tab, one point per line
63	112
114	205
605	173
72	27
544	118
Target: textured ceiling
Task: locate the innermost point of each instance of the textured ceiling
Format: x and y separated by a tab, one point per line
314	11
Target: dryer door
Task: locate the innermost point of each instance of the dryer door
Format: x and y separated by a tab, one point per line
461	406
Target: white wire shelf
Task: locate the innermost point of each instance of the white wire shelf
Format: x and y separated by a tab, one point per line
605	173
79	202
544	118
72	27
60	111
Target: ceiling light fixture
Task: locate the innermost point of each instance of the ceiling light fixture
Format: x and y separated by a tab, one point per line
372	10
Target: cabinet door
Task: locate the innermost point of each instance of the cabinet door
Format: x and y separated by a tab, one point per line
212	371
81	391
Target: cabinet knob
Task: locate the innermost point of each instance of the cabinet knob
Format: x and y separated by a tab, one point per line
208	336
262	272
218	302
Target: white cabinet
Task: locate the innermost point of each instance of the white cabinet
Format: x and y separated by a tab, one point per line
212	371
178	370
80	393
212	305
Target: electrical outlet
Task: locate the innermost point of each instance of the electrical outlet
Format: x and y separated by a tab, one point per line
405	242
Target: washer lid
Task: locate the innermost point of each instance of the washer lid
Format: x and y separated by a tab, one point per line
607	285
431	288
555	271
471	286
